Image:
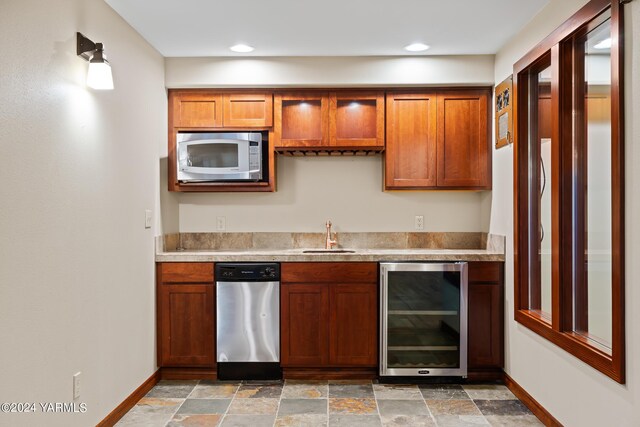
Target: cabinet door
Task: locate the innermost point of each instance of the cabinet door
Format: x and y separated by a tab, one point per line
304	324
353	325
485	325
301	120
356	119
186	325
410	158
196	110
464	149
248	110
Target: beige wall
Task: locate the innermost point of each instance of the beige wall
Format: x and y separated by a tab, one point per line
348	190
329	71
79	168
576	394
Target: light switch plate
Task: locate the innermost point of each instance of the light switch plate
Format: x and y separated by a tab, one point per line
419	222
221	223
76	385
148	217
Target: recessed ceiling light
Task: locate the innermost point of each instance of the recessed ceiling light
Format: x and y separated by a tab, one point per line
416	47
241	48
604	44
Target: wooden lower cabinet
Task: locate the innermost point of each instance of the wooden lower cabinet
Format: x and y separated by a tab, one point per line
186	315
485	325
304	324
329	320
486	319
353	324
329	316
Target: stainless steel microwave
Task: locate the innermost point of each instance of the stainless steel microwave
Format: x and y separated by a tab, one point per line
219	156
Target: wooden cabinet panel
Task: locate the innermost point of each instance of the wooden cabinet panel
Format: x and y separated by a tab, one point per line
248	110
327	272
196	110
464	150
410	158
486	346
186	325
301	120
483	272
486	315
356	119
304	324
353	325
186	272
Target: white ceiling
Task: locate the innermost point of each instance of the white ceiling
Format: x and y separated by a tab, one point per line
326	27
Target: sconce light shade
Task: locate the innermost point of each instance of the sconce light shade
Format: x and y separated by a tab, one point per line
99	75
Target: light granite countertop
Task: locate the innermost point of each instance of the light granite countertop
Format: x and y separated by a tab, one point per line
360	255
207	248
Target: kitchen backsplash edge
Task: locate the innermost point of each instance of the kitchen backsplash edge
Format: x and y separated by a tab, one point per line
372	240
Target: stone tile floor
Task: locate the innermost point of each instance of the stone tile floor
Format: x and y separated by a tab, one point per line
326	403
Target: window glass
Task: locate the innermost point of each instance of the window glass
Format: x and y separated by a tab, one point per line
593	311
540	188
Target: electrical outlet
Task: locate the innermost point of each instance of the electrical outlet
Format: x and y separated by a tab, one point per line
76	385
221	223
147	218
419	222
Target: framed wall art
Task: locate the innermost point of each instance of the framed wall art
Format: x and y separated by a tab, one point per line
504	113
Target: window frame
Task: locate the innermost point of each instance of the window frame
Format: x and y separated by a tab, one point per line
559	330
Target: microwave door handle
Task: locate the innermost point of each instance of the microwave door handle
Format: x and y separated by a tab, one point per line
209	171
213	141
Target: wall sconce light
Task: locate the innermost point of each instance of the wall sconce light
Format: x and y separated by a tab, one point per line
99	74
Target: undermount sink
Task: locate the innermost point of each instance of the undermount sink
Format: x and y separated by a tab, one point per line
328	251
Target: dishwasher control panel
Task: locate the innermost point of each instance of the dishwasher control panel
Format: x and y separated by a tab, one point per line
247	272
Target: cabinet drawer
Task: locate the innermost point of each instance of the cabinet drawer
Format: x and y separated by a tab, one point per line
485	272
330	272
186	272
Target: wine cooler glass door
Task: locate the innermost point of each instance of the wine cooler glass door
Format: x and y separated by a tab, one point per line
424	319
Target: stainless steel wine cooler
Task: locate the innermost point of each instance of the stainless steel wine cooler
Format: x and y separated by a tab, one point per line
423	319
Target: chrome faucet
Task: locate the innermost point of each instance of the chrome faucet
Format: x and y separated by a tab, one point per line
330	243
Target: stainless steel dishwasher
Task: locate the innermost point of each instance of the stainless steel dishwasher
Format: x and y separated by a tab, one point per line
248	320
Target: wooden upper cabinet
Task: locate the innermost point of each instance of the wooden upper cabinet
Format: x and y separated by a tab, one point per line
219	110
196	109
329	120
438	140
356	119
410	158
301	120
464	148
248	109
